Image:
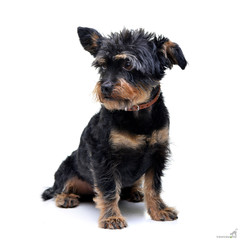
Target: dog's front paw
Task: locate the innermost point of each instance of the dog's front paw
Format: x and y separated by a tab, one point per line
113	223
165	214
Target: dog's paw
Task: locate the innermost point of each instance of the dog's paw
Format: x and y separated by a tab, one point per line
113	223
135	196
67	200
166	214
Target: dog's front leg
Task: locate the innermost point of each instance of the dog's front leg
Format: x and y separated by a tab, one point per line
107	190
156	208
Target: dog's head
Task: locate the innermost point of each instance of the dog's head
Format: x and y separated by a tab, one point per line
131	64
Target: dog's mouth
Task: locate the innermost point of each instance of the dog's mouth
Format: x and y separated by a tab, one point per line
108	98
121	101
115	96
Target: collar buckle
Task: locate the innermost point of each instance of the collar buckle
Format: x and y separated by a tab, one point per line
135	108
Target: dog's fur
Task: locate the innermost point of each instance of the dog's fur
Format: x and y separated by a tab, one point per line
119	150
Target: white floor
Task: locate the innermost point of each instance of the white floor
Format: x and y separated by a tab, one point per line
205	212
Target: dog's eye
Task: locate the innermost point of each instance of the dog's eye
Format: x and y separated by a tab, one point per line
127	65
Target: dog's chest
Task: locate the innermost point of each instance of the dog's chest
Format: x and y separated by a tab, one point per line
120	139
130	151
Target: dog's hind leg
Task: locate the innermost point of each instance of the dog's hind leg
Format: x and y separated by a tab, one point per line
74	189
133	193
68	186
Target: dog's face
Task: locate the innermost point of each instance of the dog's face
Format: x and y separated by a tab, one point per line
130	63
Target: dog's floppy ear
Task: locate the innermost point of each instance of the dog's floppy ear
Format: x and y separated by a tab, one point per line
170	53
90	39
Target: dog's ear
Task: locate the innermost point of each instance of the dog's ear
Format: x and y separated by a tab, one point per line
170	53
90	39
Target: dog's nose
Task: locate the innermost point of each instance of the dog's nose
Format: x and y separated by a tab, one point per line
106	88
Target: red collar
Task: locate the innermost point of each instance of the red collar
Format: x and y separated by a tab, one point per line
144	105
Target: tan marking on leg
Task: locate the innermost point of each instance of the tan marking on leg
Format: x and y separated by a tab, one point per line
159	136
157	209
67	200
78	186
110	215
121	139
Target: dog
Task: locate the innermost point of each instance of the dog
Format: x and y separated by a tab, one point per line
125	147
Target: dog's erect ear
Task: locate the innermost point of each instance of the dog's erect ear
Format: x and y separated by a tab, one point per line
171	53
90	39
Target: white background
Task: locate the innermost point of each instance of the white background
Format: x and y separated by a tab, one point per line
46	101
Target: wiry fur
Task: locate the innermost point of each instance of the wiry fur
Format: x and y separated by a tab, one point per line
120	148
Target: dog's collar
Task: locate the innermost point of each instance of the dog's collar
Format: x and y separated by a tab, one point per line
144	105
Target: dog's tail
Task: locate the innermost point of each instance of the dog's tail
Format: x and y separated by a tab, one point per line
64	172
48	193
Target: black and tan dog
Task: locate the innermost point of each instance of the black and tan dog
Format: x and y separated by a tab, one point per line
124	148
